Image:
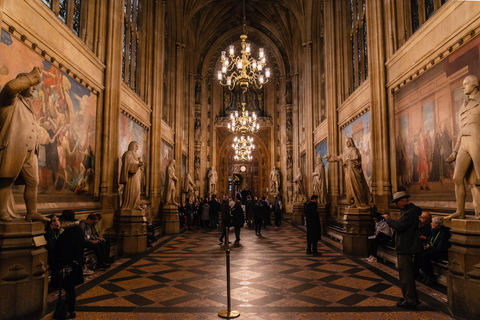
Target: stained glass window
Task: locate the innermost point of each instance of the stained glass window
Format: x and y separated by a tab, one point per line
48	3
358	44
131	43
76	17
62	12
429	8
124	53
365	50
415	15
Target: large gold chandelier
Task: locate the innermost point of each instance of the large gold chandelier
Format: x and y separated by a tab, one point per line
248	70
244	123
243	147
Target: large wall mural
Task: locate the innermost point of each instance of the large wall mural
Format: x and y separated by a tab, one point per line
130	131
66	116
426	116
360	131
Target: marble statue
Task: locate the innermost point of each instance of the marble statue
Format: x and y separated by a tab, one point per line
274	180
467	149
212	181
320	182
19	145
299	189
189	187
130	177
171	183
358	193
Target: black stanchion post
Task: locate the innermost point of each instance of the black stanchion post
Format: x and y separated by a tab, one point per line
228	314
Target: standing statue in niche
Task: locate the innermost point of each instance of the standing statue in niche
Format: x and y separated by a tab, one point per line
130	177
274	180
19	145
289	168
198	92
189	187
358	193
198	129
299	189
212	181
171	183
467	149
320	182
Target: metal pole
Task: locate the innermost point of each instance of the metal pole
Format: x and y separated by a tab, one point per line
227	314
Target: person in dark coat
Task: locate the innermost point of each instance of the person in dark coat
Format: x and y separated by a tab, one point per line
249	211
226	218
258	215
238	217
314	229
214	210
52	233
436	248
407	243
68	255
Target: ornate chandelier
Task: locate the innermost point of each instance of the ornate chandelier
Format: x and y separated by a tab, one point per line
244	123
248	70
243	147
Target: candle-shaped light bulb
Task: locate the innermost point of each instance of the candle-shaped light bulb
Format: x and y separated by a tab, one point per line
267	72
231	49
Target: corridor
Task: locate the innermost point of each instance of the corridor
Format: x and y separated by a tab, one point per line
184	277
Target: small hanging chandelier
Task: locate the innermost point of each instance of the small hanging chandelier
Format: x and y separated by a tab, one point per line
248	70
244	123
243	147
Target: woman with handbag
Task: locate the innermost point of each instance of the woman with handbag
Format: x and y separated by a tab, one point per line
67	264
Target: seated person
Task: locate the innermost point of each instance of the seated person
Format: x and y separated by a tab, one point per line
108	241
92	241
150	234
52	232
435	249
425	230
383	235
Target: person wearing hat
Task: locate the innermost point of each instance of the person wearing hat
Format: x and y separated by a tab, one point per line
68	256
407	243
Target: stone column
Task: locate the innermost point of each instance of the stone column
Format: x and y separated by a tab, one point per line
357	226
23	265
132	231
322	213
308	113
463	282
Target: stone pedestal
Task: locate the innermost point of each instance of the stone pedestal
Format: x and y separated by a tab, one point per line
23	264
298	214
170	220
463	282
132	231
357	226
322	213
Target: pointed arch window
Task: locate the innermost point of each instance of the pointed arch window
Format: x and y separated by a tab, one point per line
358	44
132	15
71	12
421	11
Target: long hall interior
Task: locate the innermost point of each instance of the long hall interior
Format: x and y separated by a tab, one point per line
144	110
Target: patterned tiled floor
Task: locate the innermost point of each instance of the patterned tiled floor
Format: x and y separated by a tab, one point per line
184	277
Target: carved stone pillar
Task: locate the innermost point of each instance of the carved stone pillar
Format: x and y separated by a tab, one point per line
23	264
132	231
170	219
357	226
463	282
322	212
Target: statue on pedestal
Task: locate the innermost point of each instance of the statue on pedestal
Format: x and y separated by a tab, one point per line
274	180
130	177
320	182
299	189
189	186
358	193
171	183
467	149
212	181
19	145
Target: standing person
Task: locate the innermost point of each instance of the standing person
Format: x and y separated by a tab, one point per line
277	210
238	219
407	243
266	213
226	218
204	214
19	145
189	214
314	229
52	233
258	214
214	210
68	255
249	211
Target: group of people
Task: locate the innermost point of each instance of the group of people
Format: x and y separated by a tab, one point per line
66	242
